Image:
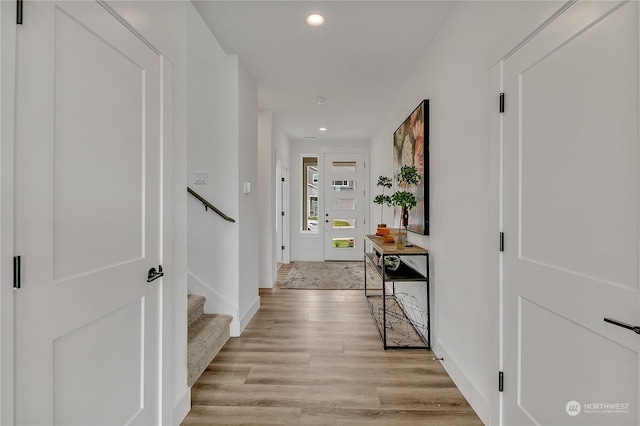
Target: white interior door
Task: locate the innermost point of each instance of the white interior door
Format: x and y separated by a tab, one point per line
88	218
344	206
571	193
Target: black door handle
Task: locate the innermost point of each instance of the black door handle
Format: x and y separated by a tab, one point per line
634	328
153	275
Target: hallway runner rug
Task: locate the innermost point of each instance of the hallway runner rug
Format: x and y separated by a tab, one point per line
329	276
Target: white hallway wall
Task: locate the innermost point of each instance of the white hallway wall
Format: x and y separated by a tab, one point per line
281	143
266	199
222	141
273	147
249	213
454	75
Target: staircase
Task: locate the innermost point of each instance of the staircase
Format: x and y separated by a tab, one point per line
207	334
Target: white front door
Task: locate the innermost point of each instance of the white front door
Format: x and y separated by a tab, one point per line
571	194
344	206
88	218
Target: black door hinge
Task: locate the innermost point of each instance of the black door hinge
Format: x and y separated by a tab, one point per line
282	213
282	179
282	247
500	381
502	241
19	12
501	102
16	272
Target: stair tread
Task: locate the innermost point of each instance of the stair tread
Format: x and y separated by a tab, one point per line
206	321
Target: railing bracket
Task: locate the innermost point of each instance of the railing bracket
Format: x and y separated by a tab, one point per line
208	205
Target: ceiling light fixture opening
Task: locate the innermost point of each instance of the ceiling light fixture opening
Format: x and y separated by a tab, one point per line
315	19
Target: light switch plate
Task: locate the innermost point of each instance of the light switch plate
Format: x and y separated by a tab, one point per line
201	178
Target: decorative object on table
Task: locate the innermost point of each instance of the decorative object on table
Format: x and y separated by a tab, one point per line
392	263
388	238
411	148
408	179
376	257
408	320
382	200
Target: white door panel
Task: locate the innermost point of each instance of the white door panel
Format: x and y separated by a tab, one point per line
88	218
87	193
571	196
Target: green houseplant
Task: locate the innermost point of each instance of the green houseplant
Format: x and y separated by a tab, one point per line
382	199
408	179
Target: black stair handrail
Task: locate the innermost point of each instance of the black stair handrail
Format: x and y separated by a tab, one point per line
208	205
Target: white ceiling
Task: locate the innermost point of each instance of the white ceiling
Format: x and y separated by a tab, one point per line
356	61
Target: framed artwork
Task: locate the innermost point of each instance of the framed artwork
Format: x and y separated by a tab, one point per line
411	148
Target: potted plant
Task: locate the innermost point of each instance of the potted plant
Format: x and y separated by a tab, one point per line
408	179
382	200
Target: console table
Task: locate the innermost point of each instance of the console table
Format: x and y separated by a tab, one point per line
402	320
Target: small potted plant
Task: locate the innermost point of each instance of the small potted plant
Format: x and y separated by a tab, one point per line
408	179
382	200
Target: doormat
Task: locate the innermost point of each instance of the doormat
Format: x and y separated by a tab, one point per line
330	276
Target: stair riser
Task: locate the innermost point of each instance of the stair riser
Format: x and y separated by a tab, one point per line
195	308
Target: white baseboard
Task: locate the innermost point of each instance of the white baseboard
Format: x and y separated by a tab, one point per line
246	318
480	405
181	409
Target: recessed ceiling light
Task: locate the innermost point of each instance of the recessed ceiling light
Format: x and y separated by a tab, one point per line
315	19
323	129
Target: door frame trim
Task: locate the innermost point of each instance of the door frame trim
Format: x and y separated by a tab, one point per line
286	221
7	129
517	35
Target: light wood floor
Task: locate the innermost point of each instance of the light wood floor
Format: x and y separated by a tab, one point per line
313	357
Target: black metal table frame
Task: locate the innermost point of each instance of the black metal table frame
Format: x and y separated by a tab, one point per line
381	271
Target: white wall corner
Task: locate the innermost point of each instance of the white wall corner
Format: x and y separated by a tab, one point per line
246	318
479	404
181	409
215	303
234	329
266	282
